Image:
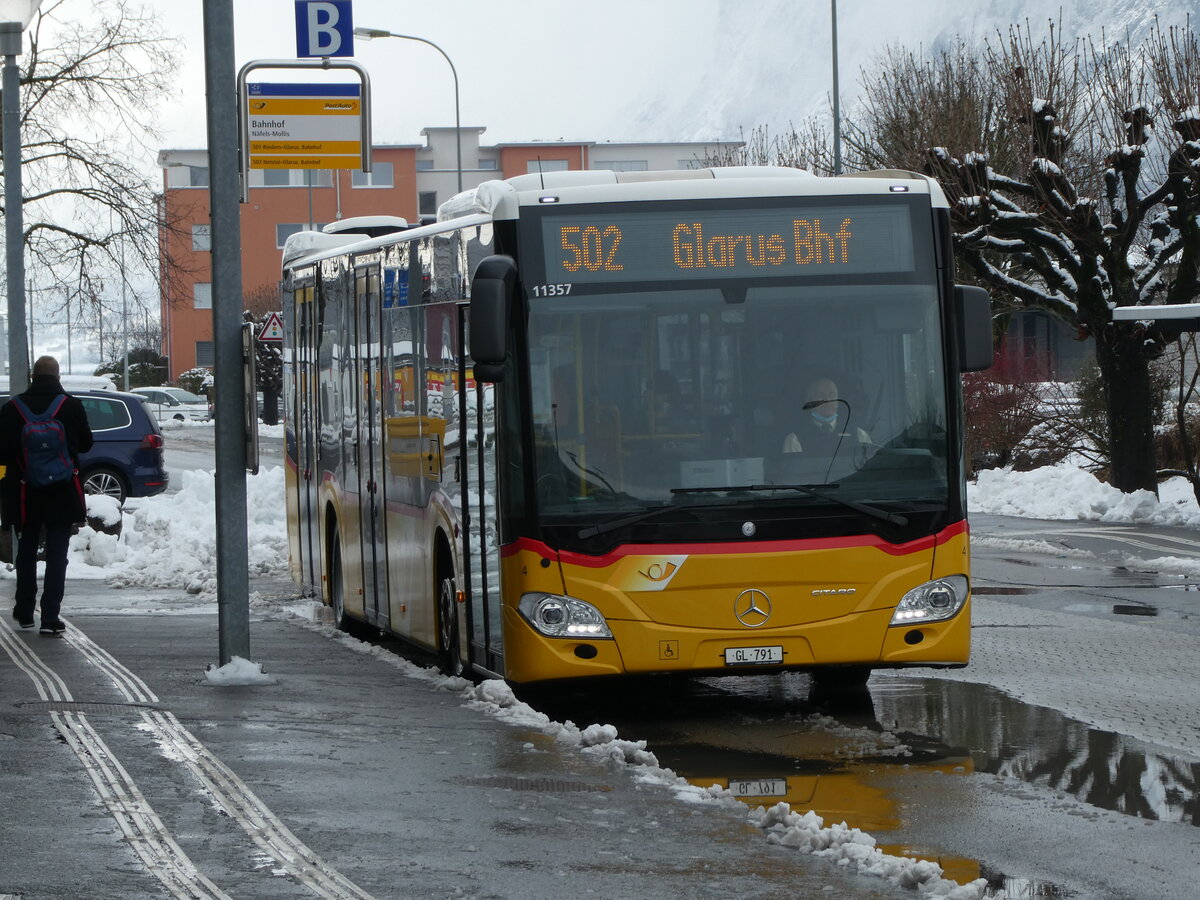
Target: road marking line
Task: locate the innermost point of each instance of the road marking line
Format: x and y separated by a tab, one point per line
141	826
267	831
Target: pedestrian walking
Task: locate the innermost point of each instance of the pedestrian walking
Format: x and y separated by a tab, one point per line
42	433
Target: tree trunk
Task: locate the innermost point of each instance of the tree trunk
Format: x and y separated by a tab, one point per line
270	413
1130	400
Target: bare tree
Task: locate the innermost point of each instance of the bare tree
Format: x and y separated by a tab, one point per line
810	147
90	211
1064	197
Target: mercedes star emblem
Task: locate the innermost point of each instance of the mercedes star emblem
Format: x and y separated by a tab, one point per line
752	608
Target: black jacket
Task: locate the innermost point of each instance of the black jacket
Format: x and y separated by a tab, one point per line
60	503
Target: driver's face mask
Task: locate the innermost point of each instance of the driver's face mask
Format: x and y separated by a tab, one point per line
824	420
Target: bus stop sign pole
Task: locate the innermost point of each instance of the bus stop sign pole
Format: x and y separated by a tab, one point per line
233	581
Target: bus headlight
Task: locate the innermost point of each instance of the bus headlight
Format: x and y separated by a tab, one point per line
933	601
565	617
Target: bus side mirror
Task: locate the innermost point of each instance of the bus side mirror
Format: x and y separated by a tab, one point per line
974	308
491	288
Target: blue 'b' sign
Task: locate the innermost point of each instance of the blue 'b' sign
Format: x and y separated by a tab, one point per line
324	28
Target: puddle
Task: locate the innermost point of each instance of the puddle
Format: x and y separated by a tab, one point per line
1041	746
868	760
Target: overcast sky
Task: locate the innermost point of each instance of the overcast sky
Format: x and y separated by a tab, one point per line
527	69
623	70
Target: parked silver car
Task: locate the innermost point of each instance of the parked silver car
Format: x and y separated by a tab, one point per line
172	404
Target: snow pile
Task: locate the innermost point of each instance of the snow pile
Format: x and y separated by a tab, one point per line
238	671
104	508
850	846
169	541
1066	492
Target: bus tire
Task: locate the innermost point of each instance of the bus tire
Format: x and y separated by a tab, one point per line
449	660
337	587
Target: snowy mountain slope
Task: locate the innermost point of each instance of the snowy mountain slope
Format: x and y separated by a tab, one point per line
777	56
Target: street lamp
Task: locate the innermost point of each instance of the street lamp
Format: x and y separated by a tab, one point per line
370	33
15	16
837	104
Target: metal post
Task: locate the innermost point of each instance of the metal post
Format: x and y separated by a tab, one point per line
233	583
837	103
14	218
124	317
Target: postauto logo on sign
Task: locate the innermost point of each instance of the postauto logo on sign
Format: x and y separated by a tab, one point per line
324	28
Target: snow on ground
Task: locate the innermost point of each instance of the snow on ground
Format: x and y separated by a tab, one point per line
1066	492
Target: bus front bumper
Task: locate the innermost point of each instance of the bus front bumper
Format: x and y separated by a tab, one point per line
649	648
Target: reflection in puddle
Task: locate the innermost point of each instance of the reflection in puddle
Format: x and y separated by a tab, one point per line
1041	746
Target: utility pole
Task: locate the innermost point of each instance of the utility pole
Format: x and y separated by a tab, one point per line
233	581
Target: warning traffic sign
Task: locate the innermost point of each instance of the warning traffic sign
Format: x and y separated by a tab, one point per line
272	329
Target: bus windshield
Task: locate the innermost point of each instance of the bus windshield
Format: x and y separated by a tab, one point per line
803	394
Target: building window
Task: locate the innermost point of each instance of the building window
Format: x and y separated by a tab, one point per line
546	165
380	176
297	178
198	176
488	165
623	165
204	353
424	165
202	237
427	203
202	295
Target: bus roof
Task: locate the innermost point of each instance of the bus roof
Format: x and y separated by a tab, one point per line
503	199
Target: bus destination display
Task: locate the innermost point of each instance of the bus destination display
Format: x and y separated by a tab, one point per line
667	246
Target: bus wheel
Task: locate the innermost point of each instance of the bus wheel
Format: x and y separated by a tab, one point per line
449	660
337	587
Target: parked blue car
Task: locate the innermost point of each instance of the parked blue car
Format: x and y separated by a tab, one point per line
126	459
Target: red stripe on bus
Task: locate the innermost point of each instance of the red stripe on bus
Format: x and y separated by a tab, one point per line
839	543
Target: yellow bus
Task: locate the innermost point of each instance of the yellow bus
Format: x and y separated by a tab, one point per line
596	423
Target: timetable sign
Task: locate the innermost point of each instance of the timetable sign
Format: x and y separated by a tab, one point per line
304	126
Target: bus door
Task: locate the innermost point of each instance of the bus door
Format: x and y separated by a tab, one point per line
480	542
304	417
370	453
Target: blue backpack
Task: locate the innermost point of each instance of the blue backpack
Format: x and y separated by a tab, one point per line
47	458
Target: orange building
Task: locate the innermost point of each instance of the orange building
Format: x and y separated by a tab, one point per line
407	180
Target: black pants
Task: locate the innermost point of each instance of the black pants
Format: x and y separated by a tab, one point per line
54	583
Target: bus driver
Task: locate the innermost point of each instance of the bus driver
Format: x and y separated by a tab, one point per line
822	425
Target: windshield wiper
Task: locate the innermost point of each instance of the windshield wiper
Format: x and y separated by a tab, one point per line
605	527
813	490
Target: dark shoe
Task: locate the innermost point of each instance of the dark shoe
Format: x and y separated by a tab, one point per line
25	621
55	627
